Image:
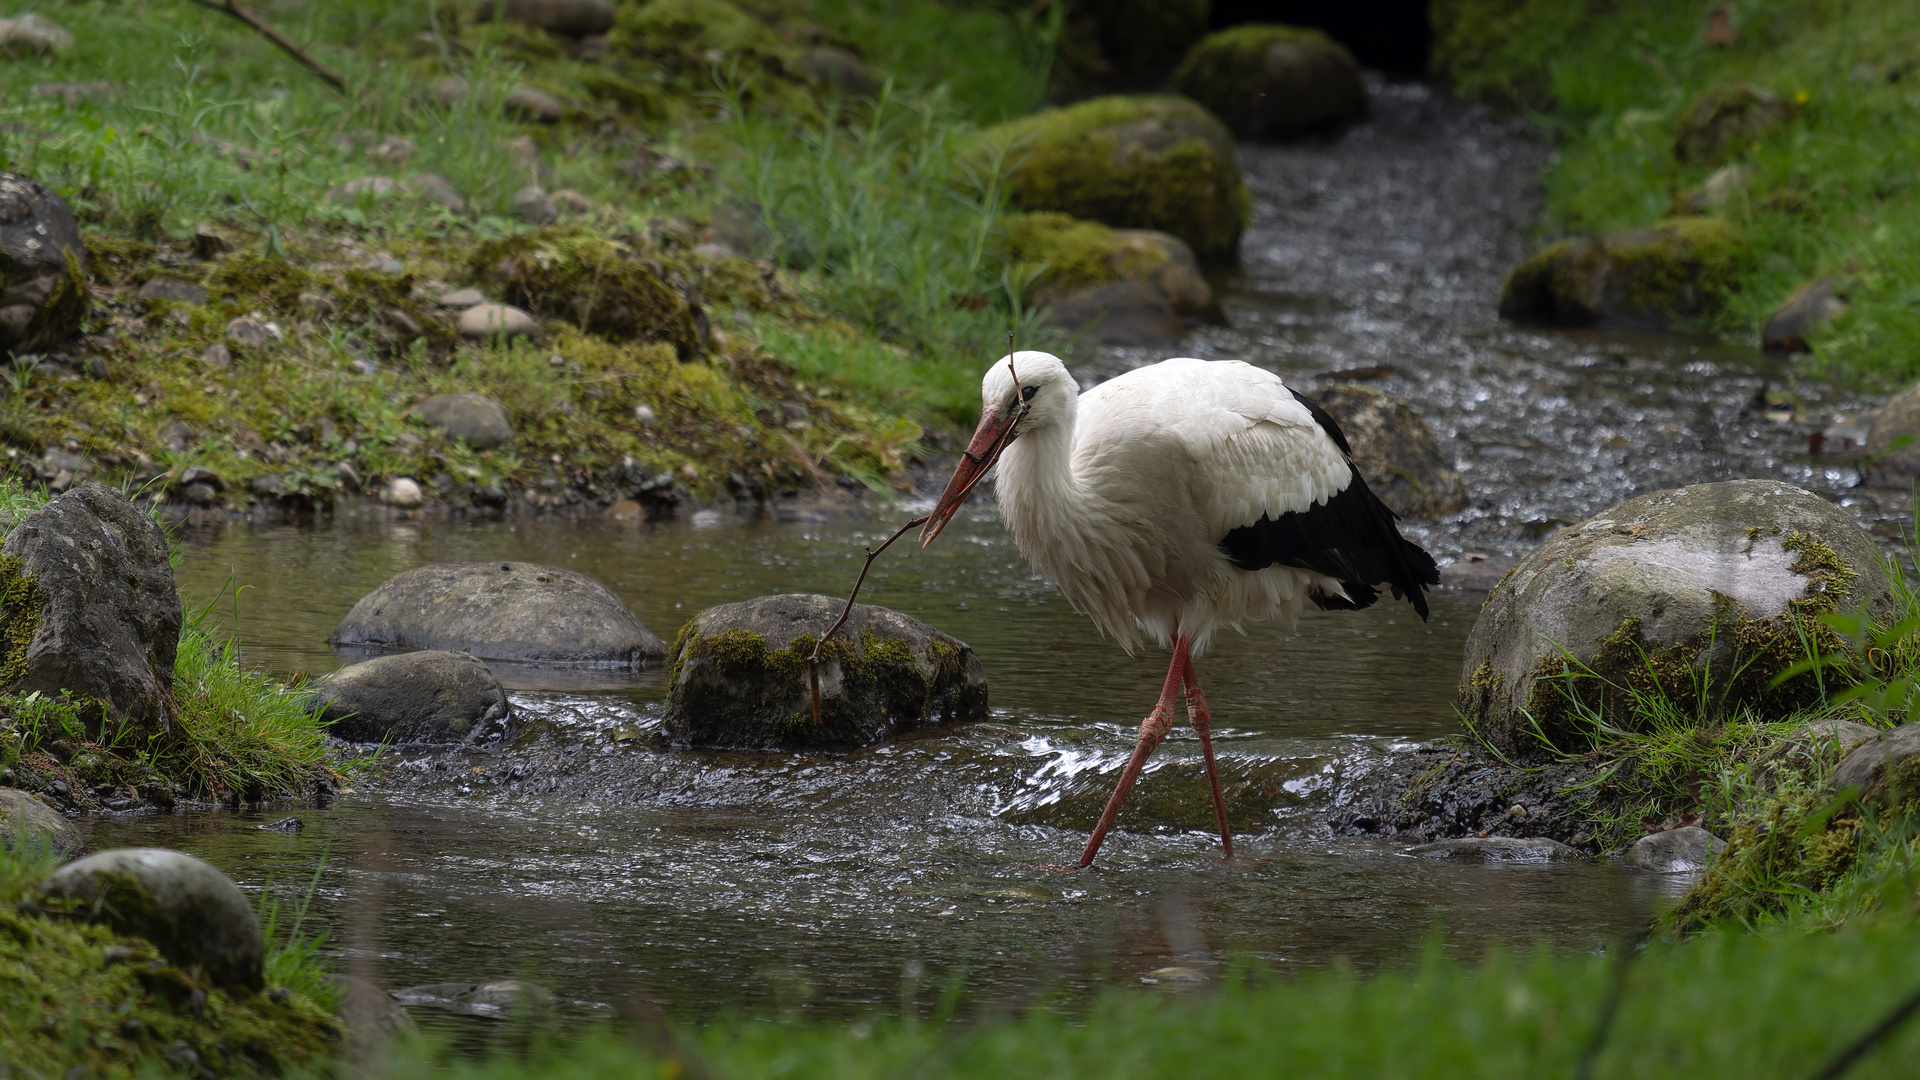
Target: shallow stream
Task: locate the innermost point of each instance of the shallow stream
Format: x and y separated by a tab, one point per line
595	860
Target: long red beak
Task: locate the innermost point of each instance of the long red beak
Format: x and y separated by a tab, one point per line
989	440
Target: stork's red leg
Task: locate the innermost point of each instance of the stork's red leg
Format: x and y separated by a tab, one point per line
1203	727
1152	730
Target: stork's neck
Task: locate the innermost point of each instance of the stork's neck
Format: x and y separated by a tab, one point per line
1040	497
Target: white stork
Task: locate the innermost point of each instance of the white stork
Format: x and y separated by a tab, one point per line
1177	499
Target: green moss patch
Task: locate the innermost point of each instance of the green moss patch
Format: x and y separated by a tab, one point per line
1074	253
598	284
1270	81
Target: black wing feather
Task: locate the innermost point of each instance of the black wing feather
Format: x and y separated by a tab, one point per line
1351	538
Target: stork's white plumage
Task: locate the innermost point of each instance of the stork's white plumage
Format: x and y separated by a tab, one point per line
1177	499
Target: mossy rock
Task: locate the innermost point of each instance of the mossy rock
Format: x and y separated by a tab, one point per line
28	825
1396	451
737	677
1703	594
194	914
598	284
1893	443
1884	771
1148	162
426	698
1725	121
682	38
1270	82
43	268
1682	268
1078	255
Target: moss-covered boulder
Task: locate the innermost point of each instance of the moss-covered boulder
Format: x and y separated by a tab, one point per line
427	698
1072	255
1148	162
1647	278
88	607
738	676
29	825
1396	451
599	284
1703	594
194	914
1723	122
43	267
1270	82
512	612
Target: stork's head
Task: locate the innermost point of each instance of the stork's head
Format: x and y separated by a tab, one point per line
1022	392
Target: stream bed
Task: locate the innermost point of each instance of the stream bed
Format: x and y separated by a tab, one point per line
596	860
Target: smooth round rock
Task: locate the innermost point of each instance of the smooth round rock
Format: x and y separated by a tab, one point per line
194	914
483	321
432	697
43	266
1271	82
1885	766
738	676
1396	451
462	299
371	1016
403	492
1686	850
514	612
1656	592
27	825
1496	849
476	418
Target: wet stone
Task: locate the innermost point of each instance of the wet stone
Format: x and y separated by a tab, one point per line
498	999
428	698
1496	849
27	824
738	676
1686	850
513	612
475	418
1396	451
194	914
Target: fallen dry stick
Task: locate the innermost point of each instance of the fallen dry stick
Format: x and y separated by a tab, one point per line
813	661
268	32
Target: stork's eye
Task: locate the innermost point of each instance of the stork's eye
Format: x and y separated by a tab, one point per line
1027	392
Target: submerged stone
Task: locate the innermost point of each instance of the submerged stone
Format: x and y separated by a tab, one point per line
1679	269
738	676
1269	82
513	612
1147	162
194	914
1396	451
27	824
43	267
497	1000
431	697
88	605
1686	850
1702	594
1496	849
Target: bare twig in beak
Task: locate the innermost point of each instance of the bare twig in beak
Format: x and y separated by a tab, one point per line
813	660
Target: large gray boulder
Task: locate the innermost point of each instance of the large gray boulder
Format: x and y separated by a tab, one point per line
1685	850
1884	769
515	612
432	697
29	825
1396	451
1712	586
476	418
43	268
1269	82
738	676
88	605
194	914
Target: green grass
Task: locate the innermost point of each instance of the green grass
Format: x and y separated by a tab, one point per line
1726	1005
1834	193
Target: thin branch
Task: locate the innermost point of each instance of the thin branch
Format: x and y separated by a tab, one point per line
813	661
260	25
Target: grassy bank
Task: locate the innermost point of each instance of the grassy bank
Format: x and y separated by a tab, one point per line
786	275
1830	192
1721	1006
236	734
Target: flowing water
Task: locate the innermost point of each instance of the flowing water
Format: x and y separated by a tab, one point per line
595	859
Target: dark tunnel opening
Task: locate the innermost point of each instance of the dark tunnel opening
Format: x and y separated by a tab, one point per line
1390	35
